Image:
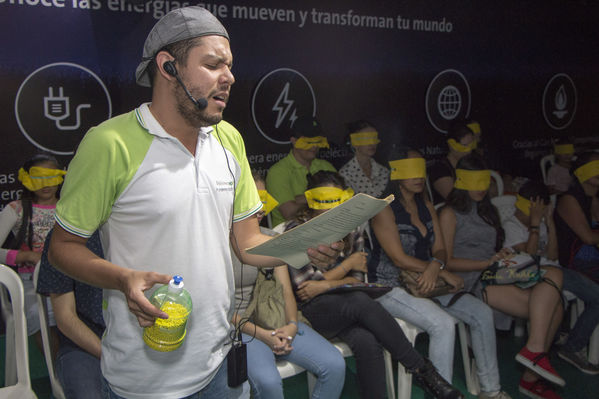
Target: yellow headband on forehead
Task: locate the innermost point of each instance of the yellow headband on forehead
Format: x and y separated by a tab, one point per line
563	149
523	204
475	127
268	201
461	147
409	168
364	138
327	197
586	171
38	177
305	143
472	180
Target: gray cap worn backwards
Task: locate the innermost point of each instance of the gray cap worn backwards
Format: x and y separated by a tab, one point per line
180	24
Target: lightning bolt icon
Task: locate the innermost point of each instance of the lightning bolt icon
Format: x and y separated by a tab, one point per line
282	107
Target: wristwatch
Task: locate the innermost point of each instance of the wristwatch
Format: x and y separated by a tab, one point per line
440	262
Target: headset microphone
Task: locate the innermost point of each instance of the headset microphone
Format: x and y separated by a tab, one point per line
169	67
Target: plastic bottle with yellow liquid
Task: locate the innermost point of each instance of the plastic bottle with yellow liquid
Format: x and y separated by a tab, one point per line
168	334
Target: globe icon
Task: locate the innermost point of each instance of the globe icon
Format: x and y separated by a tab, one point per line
449	102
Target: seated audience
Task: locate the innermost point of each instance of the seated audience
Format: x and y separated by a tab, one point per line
408	236
295	341
558	175
532	230
460	141
362	172
474	239
577	218
78	312
286	179
353	316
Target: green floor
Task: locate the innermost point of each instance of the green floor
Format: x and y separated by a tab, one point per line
579	385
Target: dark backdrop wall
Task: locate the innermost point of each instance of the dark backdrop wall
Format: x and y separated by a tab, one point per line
527	71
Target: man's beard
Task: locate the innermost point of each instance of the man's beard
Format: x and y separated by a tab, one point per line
191	113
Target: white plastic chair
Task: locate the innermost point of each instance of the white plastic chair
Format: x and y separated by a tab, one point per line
506	206
42	305
10	369
546	162
404	379
498	182
347	352
22	389
287	369
594	347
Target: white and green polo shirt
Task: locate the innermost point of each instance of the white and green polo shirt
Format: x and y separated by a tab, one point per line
159	208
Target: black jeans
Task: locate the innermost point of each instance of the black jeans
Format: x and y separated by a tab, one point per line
366	327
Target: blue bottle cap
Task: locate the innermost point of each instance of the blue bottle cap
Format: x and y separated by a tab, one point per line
177	279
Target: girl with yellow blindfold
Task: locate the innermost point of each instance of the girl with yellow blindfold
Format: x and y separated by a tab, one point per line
460	142
30	219
354	316
362	172
32	216
474	240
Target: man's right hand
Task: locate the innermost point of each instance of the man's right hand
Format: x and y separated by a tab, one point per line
133	284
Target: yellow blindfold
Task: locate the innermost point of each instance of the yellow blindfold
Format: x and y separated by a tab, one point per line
523	204
461	147
409	168
475	127
327	197
563	149
38	177
305	143
364	138
472	180
268	201
586	171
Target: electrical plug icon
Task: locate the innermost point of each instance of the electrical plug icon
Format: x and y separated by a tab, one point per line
57	108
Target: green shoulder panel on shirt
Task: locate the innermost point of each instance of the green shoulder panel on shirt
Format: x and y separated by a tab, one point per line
106	160
247	200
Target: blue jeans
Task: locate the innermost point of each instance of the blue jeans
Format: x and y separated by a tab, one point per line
78	372
216	389
588	291
479	317
428	316
310	351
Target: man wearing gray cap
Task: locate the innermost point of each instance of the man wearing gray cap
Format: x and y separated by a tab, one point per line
168	185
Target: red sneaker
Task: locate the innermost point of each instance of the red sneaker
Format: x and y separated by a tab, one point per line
539	363
538	389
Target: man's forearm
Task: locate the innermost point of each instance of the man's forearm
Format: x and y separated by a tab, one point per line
69	254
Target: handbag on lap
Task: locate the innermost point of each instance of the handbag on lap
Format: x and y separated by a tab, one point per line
267	307
408	279
521	269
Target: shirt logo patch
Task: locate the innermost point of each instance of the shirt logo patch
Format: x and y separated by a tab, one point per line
224	185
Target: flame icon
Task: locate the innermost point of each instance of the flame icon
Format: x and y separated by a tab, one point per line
561	101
